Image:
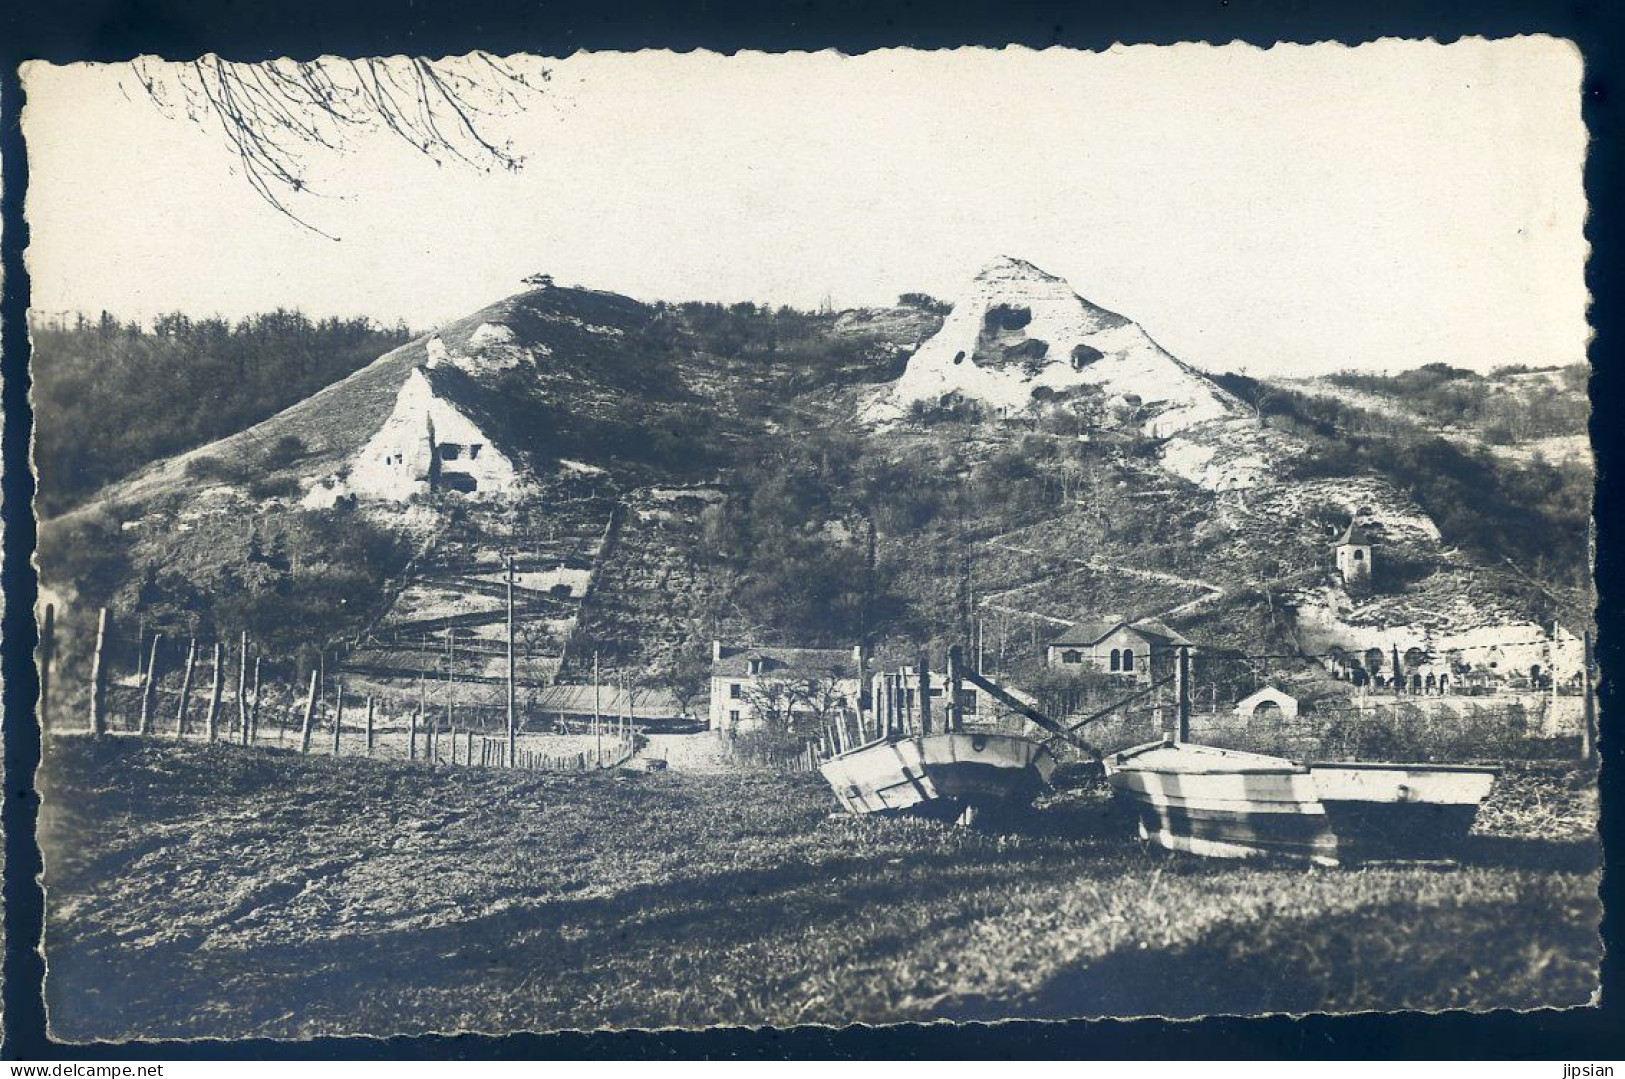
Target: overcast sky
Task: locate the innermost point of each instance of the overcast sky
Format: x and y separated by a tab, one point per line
1292	210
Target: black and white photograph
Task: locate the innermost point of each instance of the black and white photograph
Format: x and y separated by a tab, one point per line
651	540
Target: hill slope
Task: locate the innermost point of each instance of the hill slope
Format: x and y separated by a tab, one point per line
891	476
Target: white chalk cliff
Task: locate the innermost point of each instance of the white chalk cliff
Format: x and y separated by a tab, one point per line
1018	329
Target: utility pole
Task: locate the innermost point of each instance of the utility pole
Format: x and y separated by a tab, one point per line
513	720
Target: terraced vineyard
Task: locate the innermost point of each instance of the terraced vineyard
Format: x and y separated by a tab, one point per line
449	616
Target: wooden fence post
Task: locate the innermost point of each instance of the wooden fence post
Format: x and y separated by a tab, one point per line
1588	729
47	651
412	737
924	693
215	690
369	724
98	674
186	688
954	718
254	713
1182	694
242	687
149	690
468	749
310	714
338	718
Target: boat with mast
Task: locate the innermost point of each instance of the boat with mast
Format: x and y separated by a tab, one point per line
900	758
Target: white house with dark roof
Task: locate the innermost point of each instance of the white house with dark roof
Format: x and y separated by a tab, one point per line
802	681
1110	644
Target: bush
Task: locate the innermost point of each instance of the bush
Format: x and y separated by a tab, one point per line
924	302
264	488
214	470
285	451
88	553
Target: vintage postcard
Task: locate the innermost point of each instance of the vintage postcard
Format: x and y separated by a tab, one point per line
654	540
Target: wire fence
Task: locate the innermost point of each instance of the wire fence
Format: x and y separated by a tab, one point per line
228	695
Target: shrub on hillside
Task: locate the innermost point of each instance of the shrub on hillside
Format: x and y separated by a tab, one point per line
284	452
924	302
87	553
215	470
263	488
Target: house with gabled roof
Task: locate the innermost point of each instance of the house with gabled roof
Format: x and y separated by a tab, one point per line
749	681
1141	650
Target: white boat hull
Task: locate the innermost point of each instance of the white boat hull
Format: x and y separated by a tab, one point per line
1223	803
940	774
1231	804
1401	810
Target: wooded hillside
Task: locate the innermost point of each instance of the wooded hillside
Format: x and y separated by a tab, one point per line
112	396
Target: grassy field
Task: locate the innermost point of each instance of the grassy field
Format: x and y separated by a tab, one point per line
216	891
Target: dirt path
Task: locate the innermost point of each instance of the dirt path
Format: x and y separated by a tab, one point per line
701	752
1215	592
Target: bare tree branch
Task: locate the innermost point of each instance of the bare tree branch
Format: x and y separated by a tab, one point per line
274	114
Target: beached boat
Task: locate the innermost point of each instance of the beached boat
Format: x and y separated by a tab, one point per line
1392	810
896	761
1223	803
943	774
1232	804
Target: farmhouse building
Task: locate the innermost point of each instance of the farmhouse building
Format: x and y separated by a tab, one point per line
1353	551
1141	650
752	685
438	438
